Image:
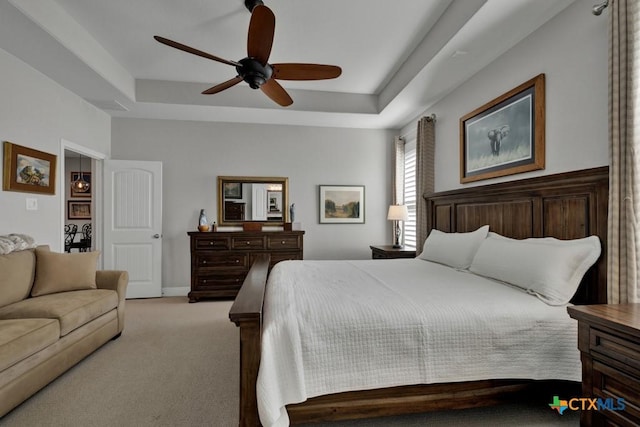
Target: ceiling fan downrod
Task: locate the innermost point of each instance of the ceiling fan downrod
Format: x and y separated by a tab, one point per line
250	4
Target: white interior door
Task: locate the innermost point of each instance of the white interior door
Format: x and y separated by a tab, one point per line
133	224
258	202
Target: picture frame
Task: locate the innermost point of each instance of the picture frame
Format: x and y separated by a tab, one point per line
27	170
233	190
505	136
341	204
76	175
78	209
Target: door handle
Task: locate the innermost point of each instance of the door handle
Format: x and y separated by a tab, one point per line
156	236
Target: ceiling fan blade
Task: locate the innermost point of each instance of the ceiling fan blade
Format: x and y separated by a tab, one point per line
222	86
305	71
277	93
189	49
261	30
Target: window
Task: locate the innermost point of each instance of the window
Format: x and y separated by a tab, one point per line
409	231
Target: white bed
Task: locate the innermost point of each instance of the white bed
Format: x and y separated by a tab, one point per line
334	326
571	205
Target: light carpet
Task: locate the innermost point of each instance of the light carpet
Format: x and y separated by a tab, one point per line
176	364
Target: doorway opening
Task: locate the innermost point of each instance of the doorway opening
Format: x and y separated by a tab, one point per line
81	214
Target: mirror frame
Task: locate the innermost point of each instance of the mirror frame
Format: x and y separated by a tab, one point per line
251	180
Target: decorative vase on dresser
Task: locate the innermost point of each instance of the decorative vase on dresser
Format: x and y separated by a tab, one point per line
220	261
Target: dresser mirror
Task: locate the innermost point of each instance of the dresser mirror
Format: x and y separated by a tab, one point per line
252	199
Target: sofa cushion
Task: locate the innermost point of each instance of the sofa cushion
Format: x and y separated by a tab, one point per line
20	338
16	277
61	272
72	309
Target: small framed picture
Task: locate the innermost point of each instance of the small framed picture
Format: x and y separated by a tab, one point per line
233	190
28	170
78	209
342	204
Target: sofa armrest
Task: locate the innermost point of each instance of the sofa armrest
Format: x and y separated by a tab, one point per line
115	280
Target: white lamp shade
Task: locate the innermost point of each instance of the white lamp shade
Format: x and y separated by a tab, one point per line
398	213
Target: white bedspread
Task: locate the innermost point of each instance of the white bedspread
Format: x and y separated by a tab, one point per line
334	326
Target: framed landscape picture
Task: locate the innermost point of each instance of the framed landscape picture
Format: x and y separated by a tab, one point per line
78	209
28	170
342	204
505	136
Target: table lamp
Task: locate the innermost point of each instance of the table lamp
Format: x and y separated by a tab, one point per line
397	213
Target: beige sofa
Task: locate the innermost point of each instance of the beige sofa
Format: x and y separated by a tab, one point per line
55	309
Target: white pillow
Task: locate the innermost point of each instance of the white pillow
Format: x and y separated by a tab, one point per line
546	267
453	249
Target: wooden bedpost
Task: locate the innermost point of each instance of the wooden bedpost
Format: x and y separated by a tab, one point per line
246	313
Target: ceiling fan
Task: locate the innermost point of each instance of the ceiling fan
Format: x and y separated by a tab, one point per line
254	69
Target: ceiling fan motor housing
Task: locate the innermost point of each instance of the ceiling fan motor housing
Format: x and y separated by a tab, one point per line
254	73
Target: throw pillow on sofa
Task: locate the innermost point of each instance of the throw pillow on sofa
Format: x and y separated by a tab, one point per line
61	272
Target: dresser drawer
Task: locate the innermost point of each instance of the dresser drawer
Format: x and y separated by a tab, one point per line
221	280
241	243
222	260
620	350
609	383
214	242
283	242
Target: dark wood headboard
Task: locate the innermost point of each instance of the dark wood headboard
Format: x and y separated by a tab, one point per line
568	205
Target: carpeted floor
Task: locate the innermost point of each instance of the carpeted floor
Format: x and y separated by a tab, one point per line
176	364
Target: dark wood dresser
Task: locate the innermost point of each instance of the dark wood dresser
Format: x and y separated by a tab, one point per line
220	260
609	344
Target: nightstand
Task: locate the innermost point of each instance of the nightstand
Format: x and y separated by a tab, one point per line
388	252
609	344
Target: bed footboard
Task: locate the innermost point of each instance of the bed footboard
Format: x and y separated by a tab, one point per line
246	313
427	398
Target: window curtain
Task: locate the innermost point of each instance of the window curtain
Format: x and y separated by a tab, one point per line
624	151
425	175
398	174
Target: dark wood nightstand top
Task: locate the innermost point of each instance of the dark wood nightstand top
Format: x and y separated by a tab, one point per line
388	252
623	317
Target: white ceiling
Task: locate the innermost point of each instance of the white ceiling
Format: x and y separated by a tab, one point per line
398	57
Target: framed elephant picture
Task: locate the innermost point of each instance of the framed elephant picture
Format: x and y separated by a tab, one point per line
506	135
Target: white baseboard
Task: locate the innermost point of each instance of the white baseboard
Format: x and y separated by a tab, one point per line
176	291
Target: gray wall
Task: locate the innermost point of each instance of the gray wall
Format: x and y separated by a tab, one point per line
571	49
37	113
194	154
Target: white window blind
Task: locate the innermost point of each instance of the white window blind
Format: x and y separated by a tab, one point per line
409	231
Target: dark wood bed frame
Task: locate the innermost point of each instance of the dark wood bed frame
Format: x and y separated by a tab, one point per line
566	206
